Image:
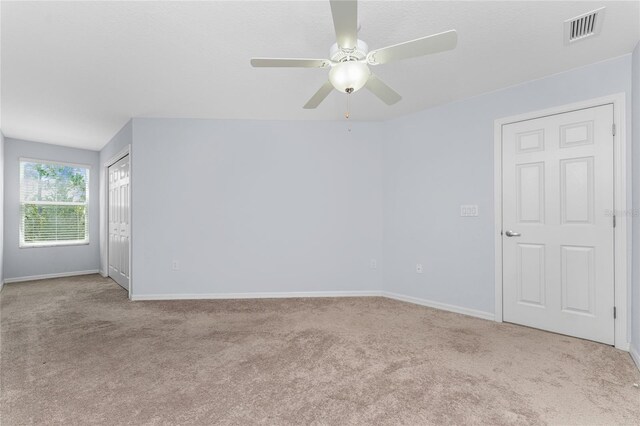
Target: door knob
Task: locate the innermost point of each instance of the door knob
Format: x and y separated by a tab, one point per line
512	234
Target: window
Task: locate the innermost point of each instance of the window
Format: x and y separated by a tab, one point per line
54	203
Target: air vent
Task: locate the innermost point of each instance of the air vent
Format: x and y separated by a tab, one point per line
583	26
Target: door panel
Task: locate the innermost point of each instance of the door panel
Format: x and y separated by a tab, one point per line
531	273
530	192
531	141
557	190
578	280
576	185
576	134
119	228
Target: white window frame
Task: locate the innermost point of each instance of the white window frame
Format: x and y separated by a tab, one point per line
86	241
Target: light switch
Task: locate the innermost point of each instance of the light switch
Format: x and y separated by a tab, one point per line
469	210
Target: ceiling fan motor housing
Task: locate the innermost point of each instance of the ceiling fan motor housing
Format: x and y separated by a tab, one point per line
358	53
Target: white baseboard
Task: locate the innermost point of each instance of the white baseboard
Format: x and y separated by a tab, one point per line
624	346
442	306
47	276
635	355
280	295
267	295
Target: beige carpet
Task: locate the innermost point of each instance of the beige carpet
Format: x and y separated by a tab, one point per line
76	351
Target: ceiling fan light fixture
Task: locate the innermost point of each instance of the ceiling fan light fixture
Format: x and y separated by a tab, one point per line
349	76
350	58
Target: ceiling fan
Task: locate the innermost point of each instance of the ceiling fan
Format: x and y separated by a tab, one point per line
350	57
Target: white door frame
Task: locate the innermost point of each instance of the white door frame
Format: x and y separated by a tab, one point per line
105	211
621	272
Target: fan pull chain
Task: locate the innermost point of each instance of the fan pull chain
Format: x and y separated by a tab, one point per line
348	113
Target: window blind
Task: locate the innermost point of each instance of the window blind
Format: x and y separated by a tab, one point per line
54	203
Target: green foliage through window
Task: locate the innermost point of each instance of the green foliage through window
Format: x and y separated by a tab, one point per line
53	203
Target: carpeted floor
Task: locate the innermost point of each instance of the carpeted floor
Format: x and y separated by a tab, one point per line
76	351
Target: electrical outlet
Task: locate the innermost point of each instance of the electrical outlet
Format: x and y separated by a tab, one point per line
373	264
419	268
175	265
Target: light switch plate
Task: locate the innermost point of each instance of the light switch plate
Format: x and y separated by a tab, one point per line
469	210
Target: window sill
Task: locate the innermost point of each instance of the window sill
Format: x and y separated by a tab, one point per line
52	244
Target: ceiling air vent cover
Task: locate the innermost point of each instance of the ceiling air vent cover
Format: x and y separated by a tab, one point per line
583	26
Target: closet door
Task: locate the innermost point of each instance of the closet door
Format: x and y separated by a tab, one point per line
119	227
558	241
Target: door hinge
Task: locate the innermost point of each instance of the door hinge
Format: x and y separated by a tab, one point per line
615	314
613	129
614	221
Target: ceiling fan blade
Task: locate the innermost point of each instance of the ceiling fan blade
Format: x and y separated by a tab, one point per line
418	47
319	96
290	62
345	21
381	90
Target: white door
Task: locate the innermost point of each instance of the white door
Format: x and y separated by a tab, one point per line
119	222
558	236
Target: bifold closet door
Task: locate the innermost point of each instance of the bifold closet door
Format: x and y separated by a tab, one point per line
119	227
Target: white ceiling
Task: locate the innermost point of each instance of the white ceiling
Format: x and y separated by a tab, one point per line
74	72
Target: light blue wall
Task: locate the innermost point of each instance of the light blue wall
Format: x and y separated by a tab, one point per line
635	309
255	206
265	183
114	147
118	142
440	158
25	262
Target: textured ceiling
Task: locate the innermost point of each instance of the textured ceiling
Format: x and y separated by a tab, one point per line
74	72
